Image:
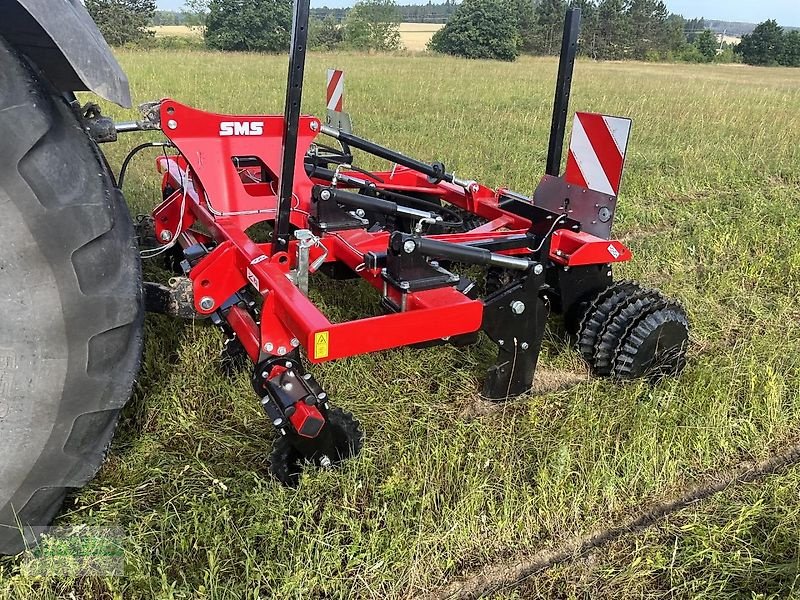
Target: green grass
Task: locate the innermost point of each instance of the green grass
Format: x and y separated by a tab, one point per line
711	207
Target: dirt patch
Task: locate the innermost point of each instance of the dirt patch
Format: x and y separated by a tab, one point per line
545	381
513	572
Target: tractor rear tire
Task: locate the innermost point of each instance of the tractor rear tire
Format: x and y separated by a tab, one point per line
71	310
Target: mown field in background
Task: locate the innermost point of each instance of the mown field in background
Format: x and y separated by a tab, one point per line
413	36
711	208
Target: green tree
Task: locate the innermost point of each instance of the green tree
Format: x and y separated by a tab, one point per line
195	13
325	34
614	24
764	46
526	24
791	49
647	20
590	31
254	25
548	26
122	21
706	44
373	25
480	29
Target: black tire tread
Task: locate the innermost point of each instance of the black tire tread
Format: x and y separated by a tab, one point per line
82	226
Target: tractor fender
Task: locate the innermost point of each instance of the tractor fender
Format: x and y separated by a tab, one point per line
60	37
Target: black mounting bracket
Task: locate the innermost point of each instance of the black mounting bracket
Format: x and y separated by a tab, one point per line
515	317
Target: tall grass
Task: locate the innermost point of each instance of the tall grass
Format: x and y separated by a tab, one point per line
711	207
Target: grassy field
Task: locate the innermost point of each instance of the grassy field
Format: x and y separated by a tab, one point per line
445	485
413	36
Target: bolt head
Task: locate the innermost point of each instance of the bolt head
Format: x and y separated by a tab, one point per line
281	350
314	125
166	236
518	307
409	246
289	365
278	422
322	396
325	195
206	303
501	342
172	124
295	342
524	345
268	347
538	270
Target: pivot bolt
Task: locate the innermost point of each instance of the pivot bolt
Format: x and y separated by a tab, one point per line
314	126
538	269
409	246
206	303
325	194
166	236
518	307
268	347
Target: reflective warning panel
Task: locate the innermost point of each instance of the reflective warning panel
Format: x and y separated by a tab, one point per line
597	152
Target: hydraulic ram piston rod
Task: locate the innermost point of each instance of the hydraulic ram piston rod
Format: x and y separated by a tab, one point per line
435	170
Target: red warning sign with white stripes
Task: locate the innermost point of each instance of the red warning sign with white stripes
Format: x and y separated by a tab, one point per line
335	90
597	152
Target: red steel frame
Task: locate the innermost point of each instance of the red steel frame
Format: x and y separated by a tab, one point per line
211	190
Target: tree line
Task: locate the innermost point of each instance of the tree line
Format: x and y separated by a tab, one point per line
496	29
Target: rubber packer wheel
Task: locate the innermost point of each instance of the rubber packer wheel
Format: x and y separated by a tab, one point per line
70	300
655	347
286	463
598	313
629	312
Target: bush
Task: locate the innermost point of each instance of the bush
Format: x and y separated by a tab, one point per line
373	25
652	56
325	34
706	44
252	25
691	54
480	29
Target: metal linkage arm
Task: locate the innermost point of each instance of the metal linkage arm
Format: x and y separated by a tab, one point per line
435	171
459	252
369	203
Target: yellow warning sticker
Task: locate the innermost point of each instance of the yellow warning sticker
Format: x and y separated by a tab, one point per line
321	344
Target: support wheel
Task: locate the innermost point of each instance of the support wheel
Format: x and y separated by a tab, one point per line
347	438
630	332
598	313
656	346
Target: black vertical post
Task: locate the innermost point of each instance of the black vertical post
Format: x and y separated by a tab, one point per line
291	121
566	64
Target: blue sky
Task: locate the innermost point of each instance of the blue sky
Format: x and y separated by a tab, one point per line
786	12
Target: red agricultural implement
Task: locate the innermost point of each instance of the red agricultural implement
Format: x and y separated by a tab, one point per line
408	231
447	257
